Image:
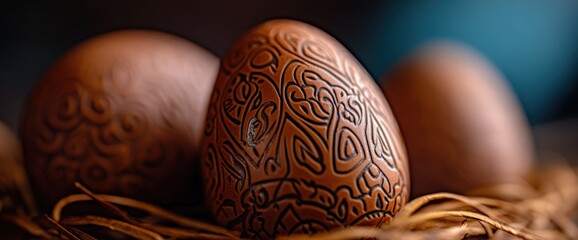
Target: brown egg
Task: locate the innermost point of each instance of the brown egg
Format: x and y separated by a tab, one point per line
299	138
462	126
123	114
10	152
13	180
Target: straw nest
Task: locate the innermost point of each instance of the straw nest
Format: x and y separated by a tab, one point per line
545	208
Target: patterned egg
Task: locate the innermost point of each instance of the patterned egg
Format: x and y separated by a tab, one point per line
462	125
121	113
299	138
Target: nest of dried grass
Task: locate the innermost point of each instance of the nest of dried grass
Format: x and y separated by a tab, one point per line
543	209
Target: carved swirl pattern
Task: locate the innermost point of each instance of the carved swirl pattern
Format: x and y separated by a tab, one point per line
78	130
298	138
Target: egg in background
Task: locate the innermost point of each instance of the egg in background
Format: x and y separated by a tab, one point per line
122	113
15	195
462	125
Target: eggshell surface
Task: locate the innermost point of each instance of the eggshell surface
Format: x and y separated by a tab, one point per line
299	138
462	125
122	113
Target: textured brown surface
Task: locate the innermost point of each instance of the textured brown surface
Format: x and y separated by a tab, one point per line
123	114
298	138
461	124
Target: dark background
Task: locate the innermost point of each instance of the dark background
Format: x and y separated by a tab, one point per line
533	43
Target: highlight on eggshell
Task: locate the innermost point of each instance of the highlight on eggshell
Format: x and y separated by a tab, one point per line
121	113
299	138
461	123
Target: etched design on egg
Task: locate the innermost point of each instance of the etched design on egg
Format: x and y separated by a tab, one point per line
296	140
78	132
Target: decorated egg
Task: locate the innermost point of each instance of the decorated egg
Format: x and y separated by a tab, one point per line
299	138
121	113
462	125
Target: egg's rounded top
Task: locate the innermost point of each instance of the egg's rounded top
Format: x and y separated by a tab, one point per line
141	64
143	48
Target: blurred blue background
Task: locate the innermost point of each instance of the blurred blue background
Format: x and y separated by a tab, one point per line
533	43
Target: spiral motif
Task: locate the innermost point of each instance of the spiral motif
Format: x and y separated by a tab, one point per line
62	170
76	146
96	108
82	133
150	158
65	111
98	174
132	125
